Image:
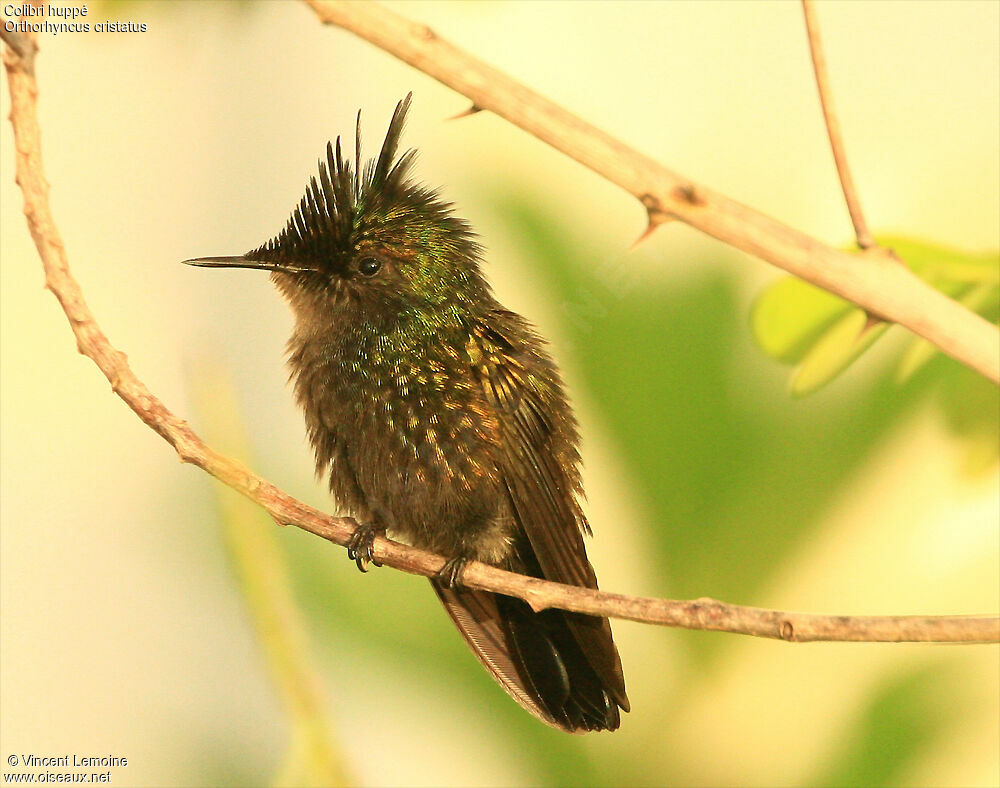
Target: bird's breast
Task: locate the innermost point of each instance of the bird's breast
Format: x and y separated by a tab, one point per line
410	417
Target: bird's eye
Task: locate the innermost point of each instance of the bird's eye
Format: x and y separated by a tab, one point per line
369	266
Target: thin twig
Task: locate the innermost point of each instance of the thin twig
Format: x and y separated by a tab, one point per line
873	280
861	230
705	614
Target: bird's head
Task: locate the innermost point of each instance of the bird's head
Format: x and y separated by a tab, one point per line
371	238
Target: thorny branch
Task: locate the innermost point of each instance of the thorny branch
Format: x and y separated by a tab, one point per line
872	279
706	614
861	231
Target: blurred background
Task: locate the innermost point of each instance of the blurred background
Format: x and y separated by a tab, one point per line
131	584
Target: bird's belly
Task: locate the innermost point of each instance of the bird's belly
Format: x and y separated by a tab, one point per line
427	468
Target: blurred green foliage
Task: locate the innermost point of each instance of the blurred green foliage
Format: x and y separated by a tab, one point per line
906	715
799	324
734	471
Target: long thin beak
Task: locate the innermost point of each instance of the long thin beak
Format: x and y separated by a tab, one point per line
244	262
231	262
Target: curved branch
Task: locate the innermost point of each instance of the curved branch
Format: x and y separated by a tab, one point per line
706	614
872	279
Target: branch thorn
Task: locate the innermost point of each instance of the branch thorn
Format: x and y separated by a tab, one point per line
655	220
472	110
871	322
656	214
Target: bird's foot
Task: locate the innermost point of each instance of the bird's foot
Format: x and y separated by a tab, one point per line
450	575
361	548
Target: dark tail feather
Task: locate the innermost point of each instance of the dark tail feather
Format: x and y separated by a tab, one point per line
535	657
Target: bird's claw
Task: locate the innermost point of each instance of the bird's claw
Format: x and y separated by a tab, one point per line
361	548
450	575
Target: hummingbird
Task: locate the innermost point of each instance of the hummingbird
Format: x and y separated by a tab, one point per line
440	419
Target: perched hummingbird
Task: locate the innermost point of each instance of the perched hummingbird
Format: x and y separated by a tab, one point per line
441	419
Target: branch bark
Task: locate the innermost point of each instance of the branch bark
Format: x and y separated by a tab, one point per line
861	231
706	614
872	279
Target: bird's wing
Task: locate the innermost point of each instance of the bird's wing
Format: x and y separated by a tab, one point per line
538	459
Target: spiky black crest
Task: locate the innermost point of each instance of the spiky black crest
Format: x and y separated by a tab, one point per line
330	218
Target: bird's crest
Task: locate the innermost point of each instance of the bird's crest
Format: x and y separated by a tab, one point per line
331	215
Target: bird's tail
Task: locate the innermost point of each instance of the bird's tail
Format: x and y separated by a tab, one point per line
538	659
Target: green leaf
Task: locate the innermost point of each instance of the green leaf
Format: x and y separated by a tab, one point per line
835	350
798	323
932	262
791	315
